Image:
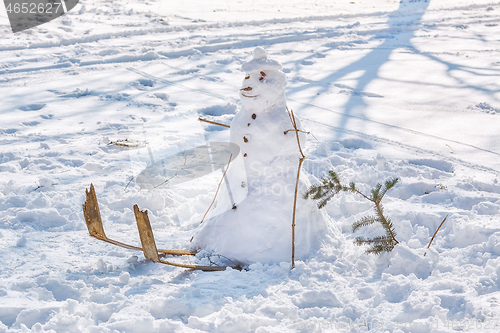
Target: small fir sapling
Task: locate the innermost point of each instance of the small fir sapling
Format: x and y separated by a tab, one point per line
331	186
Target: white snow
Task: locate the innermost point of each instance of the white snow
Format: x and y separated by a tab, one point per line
406	89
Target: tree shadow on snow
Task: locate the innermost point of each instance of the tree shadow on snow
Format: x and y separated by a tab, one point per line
371	63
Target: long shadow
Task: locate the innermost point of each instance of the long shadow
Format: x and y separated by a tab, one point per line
371	63
451	67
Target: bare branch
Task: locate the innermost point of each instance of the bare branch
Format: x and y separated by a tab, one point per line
428	246
213	122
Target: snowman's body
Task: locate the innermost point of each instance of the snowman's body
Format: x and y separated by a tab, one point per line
259	227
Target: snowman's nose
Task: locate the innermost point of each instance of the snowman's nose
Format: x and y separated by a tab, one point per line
246	89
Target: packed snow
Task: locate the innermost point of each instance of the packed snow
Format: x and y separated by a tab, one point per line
406	89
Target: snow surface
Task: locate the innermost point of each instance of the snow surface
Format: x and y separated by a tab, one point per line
388	89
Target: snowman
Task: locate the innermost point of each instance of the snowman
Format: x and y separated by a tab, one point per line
251	220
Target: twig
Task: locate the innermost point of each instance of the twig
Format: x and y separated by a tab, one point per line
127	143
294	208
39	186
428	246
213	122
212	263
313	136
218	187
286	132
232	262
292	119
364	195
301	159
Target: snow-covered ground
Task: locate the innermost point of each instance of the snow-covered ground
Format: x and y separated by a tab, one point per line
406	89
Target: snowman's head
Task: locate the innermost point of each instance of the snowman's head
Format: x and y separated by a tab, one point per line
264	83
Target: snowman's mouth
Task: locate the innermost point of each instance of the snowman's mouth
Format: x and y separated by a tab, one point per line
247	89
248	96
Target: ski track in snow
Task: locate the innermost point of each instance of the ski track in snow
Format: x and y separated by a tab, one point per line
410	94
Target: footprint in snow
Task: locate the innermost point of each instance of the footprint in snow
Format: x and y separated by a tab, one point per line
299	78
77	93
108	52
218	110
8	131
164	97
435	164
161	96
360	93
224	61
31	123
485	107
32	107
143	84
117	97
346	90
355	144
307	62
187	71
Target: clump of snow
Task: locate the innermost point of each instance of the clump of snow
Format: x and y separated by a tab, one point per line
124	277
21	242
409	261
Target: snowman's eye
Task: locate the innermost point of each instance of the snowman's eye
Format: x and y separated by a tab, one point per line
262	73
247	77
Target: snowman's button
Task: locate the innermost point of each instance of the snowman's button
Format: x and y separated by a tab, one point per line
245	139
245	155
254	116
248	124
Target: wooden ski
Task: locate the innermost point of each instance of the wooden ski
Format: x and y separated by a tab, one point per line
149	244
94	225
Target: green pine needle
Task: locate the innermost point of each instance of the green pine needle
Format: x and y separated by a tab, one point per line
331	186
365	221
